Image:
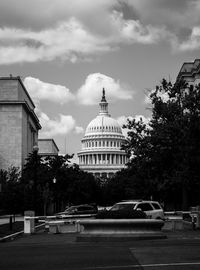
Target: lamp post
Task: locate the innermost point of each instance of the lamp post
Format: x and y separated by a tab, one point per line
35	159
55	195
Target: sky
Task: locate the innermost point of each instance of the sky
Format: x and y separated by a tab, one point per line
66	51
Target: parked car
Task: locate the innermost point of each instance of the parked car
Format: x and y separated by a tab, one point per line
151	208
83	209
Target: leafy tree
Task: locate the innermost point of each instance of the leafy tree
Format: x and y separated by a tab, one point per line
11	196
35	181
165	154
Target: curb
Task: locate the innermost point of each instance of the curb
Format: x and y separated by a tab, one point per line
12	237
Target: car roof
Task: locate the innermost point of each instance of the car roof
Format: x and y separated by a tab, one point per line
80	205
136	201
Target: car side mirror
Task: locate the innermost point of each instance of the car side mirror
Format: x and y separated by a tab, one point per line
139	209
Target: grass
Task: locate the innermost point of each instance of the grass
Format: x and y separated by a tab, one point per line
5	229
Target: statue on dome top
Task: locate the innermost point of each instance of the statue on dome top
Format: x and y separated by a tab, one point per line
103	96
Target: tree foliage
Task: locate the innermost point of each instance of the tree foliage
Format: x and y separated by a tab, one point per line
165	153
44	183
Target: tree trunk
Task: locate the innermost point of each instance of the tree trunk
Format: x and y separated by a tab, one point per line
184	197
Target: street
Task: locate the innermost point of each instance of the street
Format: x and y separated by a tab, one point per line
44	251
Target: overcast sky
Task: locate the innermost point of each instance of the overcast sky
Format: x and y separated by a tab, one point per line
67	50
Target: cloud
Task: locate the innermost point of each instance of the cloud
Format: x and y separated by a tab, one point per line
63	125
122	120
143	118
90	92
193	42
40	90
164	96
40	14
170	13
132	31
79	130
32	35
65	40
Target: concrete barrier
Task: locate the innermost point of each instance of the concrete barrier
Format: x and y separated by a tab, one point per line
112	229
62	226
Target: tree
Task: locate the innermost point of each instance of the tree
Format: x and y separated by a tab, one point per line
166	152
11	195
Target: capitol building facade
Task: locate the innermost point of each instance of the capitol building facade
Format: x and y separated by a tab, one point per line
101	152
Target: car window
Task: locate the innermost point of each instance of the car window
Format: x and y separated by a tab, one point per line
85	208
123	206
156	205
145	206
71	209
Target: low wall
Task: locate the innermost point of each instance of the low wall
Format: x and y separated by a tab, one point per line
121	229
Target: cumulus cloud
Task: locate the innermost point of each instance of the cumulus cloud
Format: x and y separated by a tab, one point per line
64	124
143	118
171	13
122	120
40	90
39	14
31	35
90	92
192	43
63	41
161	94
133	31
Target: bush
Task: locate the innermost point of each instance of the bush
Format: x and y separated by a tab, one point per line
134	214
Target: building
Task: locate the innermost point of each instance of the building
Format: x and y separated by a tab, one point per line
101	152
47	147
190	72
19	124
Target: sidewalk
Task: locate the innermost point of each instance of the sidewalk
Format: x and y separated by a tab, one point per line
42	237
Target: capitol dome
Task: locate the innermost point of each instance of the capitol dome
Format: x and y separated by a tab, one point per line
101	152
103	124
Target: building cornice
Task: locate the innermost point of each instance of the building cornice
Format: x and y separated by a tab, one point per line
189	69
101	151
26	107
21	83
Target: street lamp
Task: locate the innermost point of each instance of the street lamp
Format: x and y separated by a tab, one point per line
35	159
55	195
54	180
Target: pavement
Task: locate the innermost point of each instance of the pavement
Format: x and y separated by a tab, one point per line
181	250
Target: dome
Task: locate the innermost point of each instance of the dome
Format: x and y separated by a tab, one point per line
101	152
103	124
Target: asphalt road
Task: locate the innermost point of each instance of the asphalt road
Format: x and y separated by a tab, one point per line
58	252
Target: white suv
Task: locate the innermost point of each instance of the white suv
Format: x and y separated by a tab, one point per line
151	208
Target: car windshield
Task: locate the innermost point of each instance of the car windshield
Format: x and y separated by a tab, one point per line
71	209
123	206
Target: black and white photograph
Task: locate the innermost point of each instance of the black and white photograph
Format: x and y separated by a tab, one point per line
99	134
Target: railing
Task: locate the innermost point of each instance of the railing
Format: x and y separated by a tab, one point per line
170	216
29	221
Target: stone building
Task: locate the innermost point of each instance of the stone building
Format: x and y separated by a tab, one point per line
190	72
101	152
19	124
47	147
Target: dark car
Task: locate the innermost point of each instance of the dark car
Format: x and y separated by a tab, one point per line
121	212
83	209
